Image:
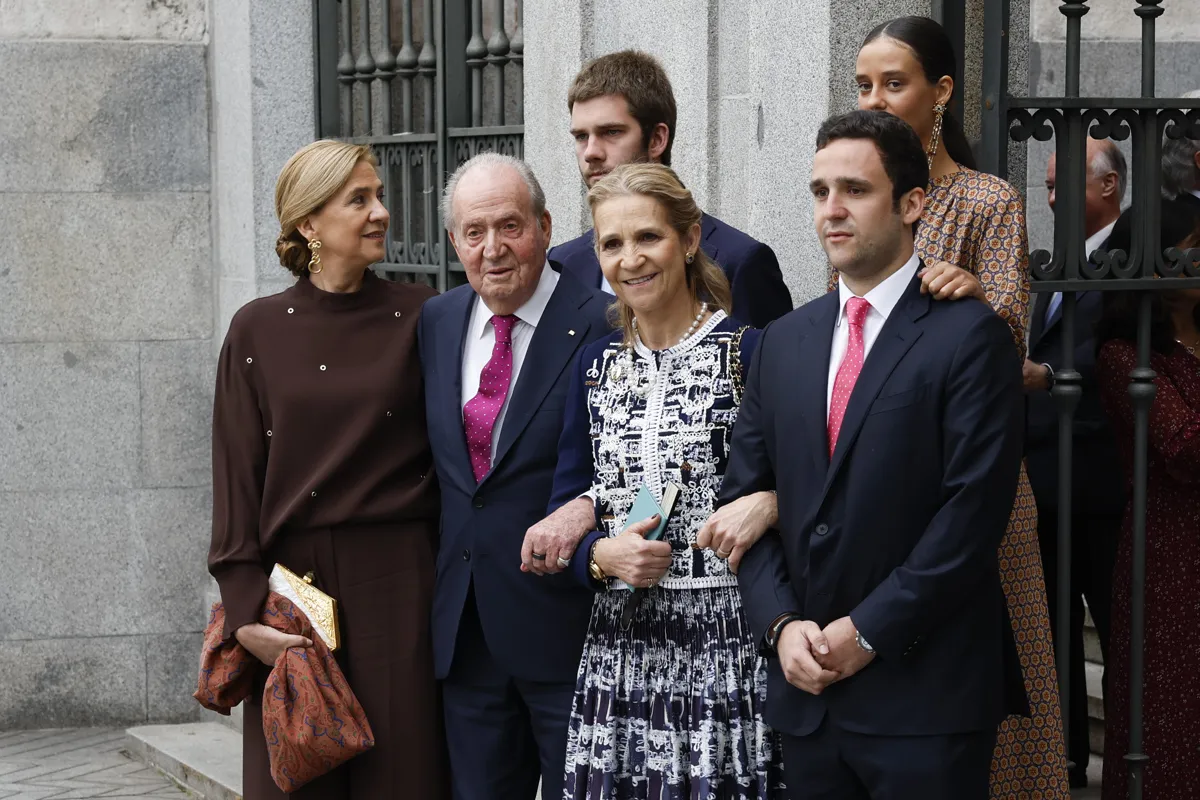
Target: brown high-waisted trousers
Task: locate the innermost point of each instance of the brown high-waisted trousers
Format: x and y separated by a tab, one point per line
382	579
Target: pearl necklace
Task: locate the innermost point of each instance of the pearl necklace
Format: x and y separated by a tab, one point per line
640	388
691	329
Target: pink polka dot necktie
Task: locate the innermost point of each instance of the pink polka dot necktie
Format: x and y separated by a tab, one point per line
481	411
852	363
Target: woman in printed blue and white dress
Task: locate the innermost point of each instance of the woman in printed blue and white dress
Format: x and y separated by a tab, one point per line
671	706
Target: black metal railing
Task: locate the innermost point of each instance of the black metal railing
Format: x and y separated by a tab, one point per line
1150	264
428	84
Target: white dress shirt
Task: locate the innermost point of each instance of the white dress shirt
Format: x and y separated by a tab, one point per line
481	339
883	298
1093	243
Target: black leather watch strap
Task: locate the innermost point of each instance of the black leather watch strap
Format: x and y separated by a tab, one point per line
772	637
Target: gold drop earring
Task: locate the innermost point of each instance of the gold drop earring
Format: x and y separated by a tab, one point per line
935	138
314	263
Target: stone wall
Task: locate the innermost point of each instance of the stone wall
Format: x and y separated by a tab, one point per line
106	328
752	85
138	154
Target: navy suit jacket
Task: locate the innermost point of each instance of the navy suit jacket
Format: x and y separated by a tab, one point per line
759	293
1096	477
900	529
534	626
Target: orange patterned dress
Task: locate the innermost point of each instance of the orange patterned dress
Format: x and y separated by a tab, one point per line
977	221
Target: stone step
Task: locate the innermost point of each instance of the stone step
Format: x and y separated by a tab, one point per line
204	757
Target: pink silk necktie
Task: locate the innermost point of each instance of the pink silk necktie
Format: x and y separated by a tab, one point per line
481	411
852	363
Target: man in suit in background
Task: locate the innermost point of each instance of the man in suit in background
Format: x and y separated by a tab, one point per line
1097	484
623	110
890	425
495	357
1181	167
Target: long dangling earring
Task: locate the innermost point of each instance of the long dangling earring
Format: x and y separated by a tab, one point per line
314	264
935	138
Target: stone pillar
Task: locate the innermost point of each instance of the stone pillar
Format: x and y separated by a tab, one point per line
106	327
261	63
751	87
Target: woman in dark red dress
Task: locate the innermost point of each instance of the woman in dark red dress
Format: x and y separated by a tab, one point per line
321	462
1171	678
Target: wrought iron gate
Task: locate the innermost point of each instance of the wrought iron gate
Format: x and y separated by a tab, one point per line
428	84
1151	265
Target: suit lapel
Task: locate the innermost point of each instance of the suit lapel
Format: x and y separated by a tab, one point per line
450	380
813	361
593	276
898	335
1037	325
1055	318
708	242
559	334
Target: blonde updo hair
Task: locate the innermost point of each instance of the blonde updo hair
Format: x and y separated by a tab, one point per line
307	181
706	280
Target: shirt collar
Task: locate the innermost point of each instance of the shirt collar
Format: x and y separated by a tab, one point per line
529	313
1098	238
884	297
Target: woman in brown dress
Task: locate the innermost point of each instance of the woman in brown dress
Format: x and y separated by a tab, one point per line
977	222
321	463
1171	666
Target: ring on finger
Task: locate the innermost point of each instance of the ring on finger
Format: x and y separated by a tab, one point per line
539	556
564	563
722	554
649	582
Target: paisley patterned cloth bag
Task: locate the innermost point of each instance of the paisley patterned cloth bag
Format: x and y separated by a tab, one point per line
312	721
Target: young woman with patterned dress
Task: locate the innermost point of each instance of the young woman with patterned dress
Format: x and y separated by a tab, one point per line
670	706
976	222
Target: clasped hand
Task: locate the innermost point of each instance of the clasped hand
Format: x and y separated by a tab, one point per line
266	643
734	528
549	544
633	558
944	281
812	659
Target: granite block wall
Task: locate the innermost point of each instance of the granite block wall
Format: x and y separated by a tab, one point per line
138	154
106	328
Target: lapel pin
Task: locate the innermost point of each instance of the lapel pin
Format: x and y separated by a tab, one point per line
571	333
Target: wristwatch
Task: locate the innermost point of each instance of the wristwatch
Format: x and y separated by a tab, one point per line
594	568
863	643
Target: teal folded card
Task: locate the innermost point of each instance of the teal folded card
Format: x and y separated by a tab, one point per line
644	507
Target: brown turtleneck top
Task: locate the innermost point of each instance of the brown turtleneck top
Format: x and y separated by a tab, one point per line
318	422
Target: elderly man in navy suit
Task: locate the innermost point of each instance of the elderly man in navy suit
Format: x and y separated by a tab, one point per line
623	110
890	424
495	356
1098	491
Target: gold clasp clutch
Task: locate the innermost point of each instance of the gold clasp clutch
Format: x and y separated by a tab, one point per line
320	608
